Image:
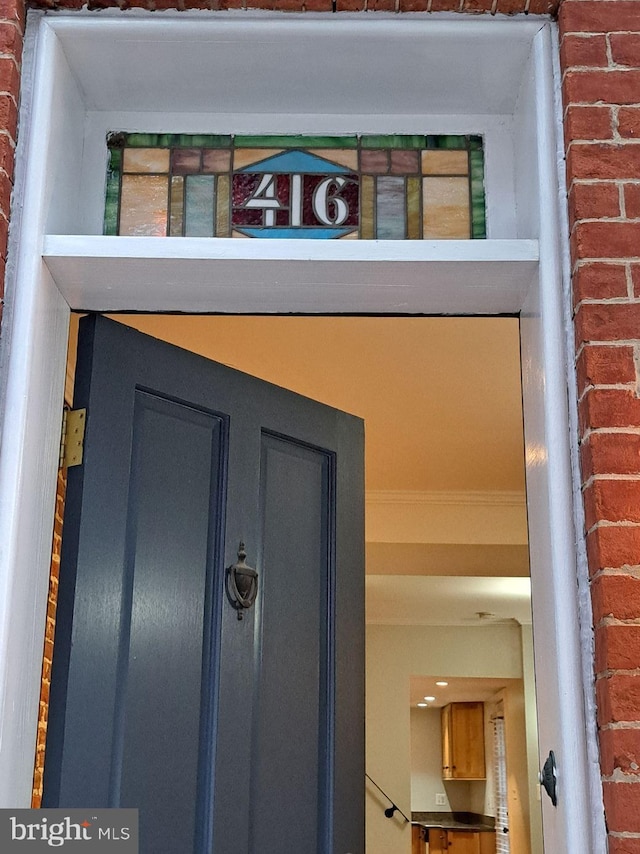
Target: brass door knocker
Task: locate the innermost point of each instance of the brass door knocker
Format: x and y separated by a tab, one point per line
242	583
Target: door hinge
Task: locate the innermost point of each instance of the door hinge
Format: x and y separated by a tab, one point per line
72	439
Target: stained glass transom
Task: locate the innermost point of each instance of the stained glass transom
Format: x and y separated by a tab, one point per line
394	187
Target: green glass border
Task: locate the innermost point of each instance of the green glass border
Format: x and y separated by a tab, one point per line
120	139
300	141
112	195
478	207
392	141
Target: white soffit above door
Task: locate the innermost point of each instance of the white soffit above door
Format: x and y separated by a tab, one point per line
374	66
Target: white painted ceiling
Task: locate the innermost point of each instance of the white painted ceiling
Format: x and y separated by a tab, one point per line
440	396
459	690
447	600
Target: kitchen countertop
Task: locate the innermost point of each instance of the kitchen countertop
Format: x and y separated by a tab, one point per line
455	821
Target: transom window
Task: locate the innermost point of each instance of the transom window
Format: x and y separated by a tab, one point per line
390	187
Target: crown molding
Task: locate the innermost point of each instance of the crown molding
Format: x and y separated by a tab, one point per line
492	498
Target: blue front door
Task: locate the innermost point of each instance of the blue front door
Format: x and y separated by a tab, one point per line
233	729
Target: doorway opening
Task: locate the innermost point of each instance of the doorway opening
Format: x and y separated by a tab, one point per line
447	553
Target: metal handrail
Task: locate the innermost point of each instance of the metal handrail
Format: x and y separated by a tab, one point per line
394	807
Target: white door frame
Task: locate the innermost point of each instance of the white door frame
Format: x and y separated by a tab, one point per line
34	354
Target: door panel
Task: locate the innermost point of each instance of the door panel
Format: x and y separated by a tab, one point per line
226	733
175	468
294	647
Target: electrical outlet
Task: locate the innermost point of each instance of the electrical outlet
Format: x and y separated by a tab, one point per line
440	799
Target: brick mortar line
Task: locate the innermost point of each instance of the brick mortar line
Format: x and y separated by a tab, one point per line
610	621
628	300
610	478
581	261
607	523
13	59
617	671
608	51
607	140
595	182
635	258
634	105
632	300
604	343
613	726
584	69
621	219
4	132
630	571
598	69
616	139
7	94
589	35
617	431
12	22
620	776
629	343
630	386
596	33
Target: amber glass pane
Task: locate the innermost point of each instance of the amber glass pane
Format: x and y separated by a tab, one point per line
177	206
143	206
445	208
413	209
146	160
222	207
445	162
344	157
249	156
367	218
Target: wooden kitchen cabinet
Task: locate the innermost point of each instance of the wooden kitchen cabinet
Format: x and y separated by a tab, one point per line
463	741
437	841
460	842
463	842
418	839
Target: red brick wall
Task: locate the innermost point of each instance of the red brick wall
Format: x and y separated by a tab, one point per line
600	54
506	7
601	88
52	602
11	32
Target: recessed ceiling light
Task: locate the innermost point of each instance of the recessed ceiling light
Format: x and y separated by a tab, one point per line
422	705
429	699
442	684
